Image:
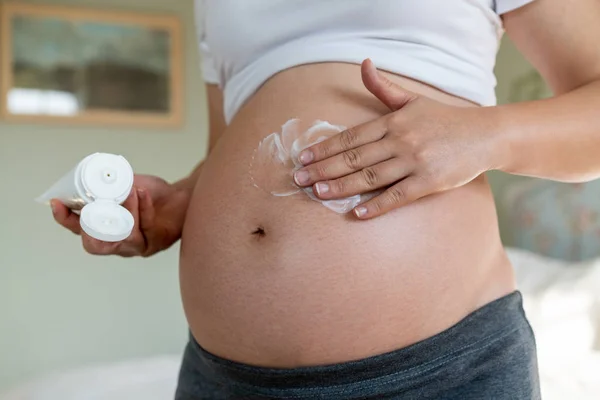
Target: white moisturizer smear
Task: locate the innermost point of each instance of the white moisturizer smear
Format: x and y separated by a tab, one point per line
276	159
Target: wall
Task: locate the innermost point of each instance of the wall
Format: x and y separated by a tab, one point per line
60	307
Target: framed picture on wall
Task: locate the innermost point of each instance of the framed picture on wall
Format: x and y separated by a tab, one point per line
72	65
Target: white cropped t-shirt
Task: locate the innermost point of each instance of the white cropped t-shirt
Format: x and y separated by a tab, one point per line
448	44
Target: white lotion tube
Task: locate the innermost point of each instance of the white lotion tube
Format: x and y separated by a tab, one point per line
95	188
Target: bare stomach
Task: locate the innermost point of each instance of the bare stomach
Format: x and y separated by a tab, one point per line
286	282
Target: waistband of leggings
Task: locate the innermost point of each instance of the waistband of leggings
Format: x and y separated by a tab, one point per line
486	324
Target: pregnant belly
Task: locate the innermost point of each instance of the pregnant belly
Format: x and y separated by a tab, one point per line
285	281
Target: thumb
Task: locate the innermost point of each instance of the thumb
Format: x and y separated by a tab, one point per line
147	211
384	89
132	205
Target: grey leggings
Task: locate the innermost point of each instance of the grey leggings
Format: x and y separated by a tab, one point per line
489	355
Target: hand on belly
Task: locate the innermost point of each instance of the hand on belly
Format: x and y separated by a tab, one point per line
422	147
277	157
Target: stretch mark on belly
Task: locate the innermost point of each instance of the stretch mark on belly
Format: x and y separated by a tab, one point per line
275	160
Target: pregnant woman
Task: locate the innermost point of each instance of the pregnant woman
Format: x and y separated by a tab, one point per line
340	239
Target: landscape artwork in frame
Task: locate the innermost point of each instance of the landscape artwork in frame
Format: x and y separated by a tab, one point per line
62	64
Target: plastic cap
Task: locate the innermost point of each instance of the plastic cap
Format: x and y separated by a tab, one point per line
107	176
106	221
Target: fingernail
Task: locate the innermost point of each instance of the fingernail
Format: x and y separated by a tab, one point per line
301	177
360	211
53	207
321	188
141	193
306	156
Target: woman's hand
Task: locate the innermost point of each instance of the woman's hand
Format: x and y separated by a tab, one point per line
158	209
422	147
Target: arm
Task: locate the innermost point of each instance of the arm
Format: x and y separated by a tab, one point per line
556	138
216	127
424	147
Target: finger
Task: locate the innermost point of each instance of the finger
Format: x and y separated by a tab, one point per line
65	217
98	247
349	139
402	193
131	203
136	241
343	164
388	92
367	179
146	210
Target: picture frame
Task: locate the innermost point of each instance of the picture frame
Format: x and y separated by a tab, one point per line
62	64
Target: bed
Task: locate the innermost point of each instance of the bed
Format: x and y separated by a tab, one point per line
562	301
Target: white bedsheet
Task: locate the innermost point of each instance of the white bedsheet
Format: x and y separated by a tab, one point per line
151	378
562	302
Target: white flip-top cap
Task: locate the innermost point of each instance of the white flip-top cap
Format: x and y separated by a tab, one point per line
108	179
106	221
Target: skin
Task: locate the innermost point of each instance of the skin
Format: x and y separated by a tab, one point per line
424	147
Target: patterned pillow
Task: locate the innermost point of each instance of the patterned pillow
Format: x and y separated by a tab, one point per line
555	219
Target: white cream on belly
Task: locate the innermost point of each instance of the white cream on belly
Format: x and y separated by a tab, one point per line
276	159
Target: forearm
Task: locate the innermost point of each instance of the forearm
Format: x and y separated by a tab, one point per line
189	182
556	138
